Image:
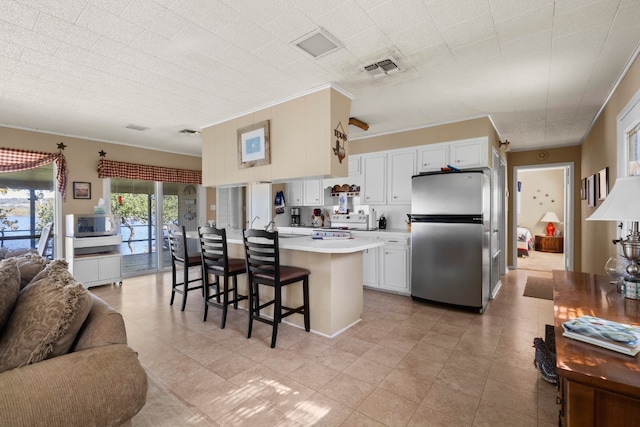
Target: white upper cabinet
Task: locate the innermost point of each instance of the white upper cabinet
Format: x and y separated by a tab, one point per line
294	193
402	166
313	193
374	185
433	157
469	153
354	165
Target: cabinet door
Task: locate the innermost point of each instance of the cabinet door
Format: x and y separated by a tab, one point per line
110	267
313	193
433	158
394	268
402	167
294	193
374	179
370	267
354	165
469	154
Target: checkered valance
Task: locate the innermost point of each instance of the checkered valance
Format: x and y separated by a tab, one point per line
15	160
112	169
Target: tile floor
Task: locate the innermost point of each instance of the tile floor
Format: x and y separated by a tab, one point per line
404	364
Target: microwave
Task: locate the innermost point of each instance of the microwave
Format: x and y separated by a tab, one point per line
92	225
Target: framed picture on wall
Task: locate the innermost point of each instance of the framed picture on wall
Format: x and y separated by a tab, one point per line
591	191
603	183
254	145
583	189
81	190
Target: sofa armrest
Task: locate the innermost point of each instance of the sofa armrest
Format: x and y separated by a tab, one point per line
103	386
103	326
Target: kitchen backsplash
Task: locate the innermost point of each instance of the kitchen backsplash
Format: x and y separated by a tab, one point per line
395	214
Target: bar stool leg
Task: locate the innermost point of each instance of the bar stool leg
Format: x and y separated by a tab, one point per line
252	305
173	283
235	292
185	286
305	295
277	312
205	284
225	301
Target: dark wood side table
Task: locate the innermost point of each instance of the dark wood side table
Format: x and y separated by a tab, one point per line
598	387
549	243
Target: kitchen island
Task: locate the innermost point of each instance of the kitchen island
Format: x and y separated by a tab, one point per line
335	283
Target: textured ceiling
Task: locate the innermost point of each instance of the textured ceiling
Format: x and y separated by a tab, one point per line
541	69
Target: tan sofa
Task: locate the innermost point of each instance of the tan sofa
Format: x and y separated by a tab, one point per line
99	383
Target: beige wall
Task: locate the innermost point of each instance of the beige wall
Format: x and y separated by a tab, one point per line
301	141
428	135
82	161
599	151
529	158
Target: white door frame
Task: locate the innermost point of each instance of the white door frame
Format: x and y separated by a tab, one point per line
568	210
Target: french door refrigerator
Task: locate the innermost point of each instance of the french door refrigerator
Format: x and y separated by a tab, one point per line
450	224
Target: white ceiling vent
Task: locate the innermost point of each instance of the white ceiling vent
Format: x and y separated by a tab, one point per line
190	132
382	68
317	43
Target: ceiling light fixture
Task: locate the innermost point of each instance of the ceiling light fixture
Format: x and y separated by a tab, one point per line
317	43
383	67
190	132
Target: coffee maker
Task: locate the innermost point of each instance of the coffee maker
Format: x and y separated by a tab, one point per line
295	217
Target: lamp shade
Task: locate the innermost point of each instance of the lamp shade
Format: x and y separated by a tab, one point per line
550	217
622	203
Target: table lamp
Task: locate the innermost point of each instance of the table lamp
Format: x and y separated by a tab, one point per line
550	218
623	204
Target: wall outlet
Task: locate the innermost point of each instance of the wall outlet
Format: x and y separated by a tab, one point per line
212	207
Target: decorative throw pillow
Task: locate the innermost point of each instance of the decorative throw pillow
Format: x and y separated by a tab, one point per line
3	252
18	252
9	288
30	264
56	267
43	314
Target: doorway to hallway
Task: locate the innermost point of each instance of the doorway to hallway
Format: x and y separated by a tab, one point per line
543	192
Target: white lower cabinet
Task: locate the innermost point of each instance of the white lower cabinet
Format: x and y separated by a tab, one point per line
370	267
94	260
387	267
394	259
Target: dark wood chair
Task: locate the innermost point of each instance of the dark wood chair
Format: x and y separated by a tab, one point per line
263	268
216	262
180	257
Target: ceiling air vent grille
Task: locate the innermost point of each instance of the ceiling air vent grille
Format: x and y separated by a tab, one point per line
189	132
382	68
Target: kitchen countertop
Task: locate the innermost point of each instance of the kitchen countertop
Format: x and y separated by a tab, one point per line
305	243
398	233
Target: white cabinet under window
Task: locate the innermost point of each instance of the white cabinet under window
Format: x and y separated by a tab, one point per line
402	166
94	260
374	185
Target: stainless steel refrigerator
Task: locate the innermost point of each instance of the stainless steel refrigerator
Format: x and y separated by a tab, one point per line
450	224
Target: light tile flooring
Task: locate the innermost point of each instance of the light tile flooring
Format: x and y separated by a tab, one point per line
404	364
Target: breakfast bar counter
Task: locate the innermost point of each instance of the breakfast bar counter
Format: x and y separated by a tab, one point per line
335	283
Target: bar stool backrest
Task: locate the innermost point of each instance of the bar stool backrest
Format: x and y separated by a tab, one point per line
177	242
213	245
262	254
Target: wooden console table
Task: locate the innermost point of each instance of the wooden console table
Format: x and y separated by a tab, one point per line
598	387
549	243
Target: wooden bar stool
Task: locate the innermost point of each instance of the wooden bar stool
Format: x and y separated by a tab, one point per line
180	256
263	267
216	262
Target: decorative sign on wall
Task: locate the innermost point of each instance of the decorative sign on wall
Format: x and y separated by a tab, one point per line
254	145
340	135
